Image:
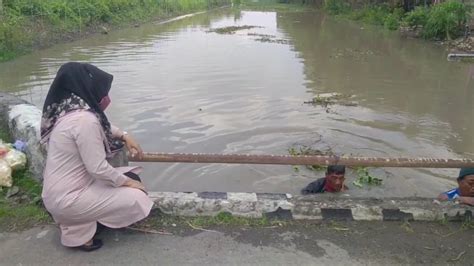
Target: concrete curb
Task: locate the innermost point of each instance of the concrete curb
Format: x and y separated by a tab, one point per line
314	207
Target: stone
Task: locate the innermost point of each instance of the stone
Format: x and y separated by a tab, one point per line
24	124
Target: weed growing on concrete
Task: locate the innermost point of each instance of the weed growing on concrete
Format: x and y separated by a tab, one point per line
160	220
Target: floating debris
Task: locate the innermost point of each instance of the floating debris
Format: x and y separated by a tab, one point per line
325	99
356	54
364	178
232	29
261	35
305	150
270	40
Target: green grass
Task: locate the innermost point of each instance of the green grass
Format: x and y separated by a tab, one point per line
4	135
273	5
441	21
24	209
29	24
161	220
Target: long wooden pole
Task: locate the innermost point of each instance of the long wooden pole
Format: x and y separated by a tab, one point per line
303	160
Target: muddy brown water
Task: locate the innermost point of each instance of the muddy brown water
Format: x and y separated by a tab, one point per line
180	88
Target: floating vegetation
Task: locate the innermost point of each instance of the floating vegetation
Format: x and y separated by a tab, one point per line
364	178
261	35
356	54
308	151
325	99
270	40
232	29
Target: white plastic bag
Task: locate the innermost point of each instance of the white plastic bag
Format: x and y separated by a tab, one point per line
16	159
5	174
4	149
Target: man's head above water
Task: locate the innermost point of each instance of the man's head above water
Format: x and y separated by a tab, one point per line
466	182
332	182
335	178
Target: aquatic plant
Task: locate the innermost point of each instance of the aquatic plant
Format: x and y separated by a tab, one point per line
364	177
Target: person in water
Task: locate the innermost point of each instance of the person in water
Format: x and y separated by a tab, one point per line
332	182
464	193
81	190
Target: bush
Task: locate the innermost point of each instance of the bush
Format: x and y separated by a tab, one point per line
391	22
417	17
446	20
336	7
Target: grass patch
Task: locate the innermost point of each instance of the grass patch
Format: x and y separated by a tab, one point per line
158	220
5	136
274	5
24	209
26	25
21	206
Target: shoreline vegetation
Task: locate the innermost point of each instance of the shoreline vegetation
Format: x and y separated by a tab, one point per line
442	21
34	24
447	21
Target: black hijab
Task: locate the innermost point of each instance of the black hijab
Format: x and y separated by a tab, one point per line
77	86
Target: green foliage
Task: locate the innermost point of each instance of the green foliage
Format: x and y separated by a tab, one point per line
391	22
375	15
337	7
307	151
363	177
4	135
443	21
23	209
417	17
23	20
446	20
225	218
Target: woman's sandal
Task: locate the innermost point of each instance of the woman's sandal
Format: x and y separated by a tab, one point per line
96	244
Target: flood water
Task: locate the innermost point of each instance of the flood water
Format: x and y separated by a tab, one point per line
180	88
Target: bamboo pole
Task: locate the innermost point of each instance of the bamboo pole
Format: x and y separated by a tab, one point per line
303	160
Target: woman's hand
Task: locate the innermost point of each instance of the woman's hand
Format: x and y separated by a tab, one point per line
135	184
133	147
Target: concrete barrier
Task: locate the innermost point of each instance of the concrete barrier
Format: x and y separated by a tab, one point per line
313	207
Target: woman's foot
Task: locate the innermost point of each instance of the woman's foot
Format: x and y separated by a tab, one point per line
92	245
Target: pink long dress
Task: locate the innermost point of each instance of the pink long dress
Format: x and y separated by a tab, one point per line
81	188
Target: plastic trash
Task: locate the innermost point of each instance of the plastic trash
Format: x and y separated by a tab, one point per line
20	145
4	149
5	174
16	159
